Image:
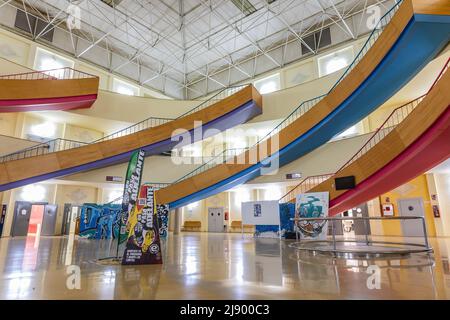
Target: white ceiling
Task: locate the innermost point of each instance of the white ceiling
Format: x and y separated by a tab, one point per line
189	48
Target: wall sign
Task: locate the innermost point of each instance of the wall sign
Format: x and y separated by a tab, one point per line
114	178
436	212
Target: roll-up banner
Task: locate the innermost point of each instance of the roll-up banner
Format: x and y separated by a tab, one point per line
131	190
143	244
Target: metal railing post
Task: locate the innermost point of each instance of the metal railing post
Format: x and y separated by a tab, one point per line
366	231
425	234
333	230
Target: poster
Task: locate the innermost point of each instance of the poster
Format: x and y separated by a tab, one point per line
163	220
312	205
261	212
143	243
131	190
287	212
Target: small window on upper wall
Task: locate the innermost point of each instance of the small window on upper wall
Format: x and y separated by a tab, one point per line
335	61
52	63
269	84
353	131
123	87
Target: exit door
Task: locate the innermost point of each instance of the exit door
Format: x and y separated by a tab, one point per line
49	220
408	208
22	214
216	219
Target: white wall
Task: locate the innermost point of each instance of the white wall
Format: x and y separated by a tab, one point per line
9	144
439	184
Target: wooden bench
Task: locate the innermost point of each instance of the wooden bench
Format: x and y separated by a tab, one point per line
236	226
192	226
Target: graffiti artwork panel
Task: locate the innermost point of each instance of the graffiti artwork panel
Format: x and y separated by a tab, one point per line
99	221
312	205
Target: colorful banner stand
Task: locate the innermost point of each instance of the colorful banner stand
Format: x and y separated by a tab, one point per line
131	190
143	244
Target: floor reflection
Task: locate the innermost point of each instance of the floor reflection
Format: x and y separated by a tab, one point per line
213	266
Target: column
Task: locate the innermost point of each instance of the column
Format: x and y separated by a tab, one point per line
177	218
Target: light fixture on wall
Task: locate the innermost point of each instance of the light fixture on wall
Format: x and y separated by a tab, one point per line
45	129
33	193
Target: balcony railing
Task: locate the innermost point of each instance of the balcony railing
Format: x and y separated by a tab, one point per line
64	144
53	74
309	104
394	119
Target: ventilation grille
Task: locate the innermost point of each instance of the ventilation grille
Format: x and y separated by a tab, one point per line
33	26
317	41
112	3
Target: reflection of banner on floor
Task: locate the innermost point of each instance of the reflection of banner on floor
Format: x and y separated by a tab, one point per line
131	190
99	221
143	244
312	205
2	218
163	220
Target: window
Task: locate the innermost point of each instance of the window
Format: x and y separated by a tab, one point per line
122	87
316	41
355	130
269	84
46	60
335	61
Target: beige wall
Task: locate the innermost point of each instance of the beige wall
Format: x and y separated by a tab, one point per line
58	194
76	195
9	144
439	185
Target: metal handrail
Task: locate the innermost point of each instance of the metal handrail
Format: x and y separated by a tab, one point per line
66	144
65	73
218	159
395	118
297	221
309	104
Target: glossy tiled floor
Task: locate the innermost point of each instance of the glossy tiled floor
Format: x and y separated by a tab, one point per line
214	266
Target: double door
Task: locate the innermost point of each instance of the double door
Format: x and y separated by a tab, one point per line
39	213
216	219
